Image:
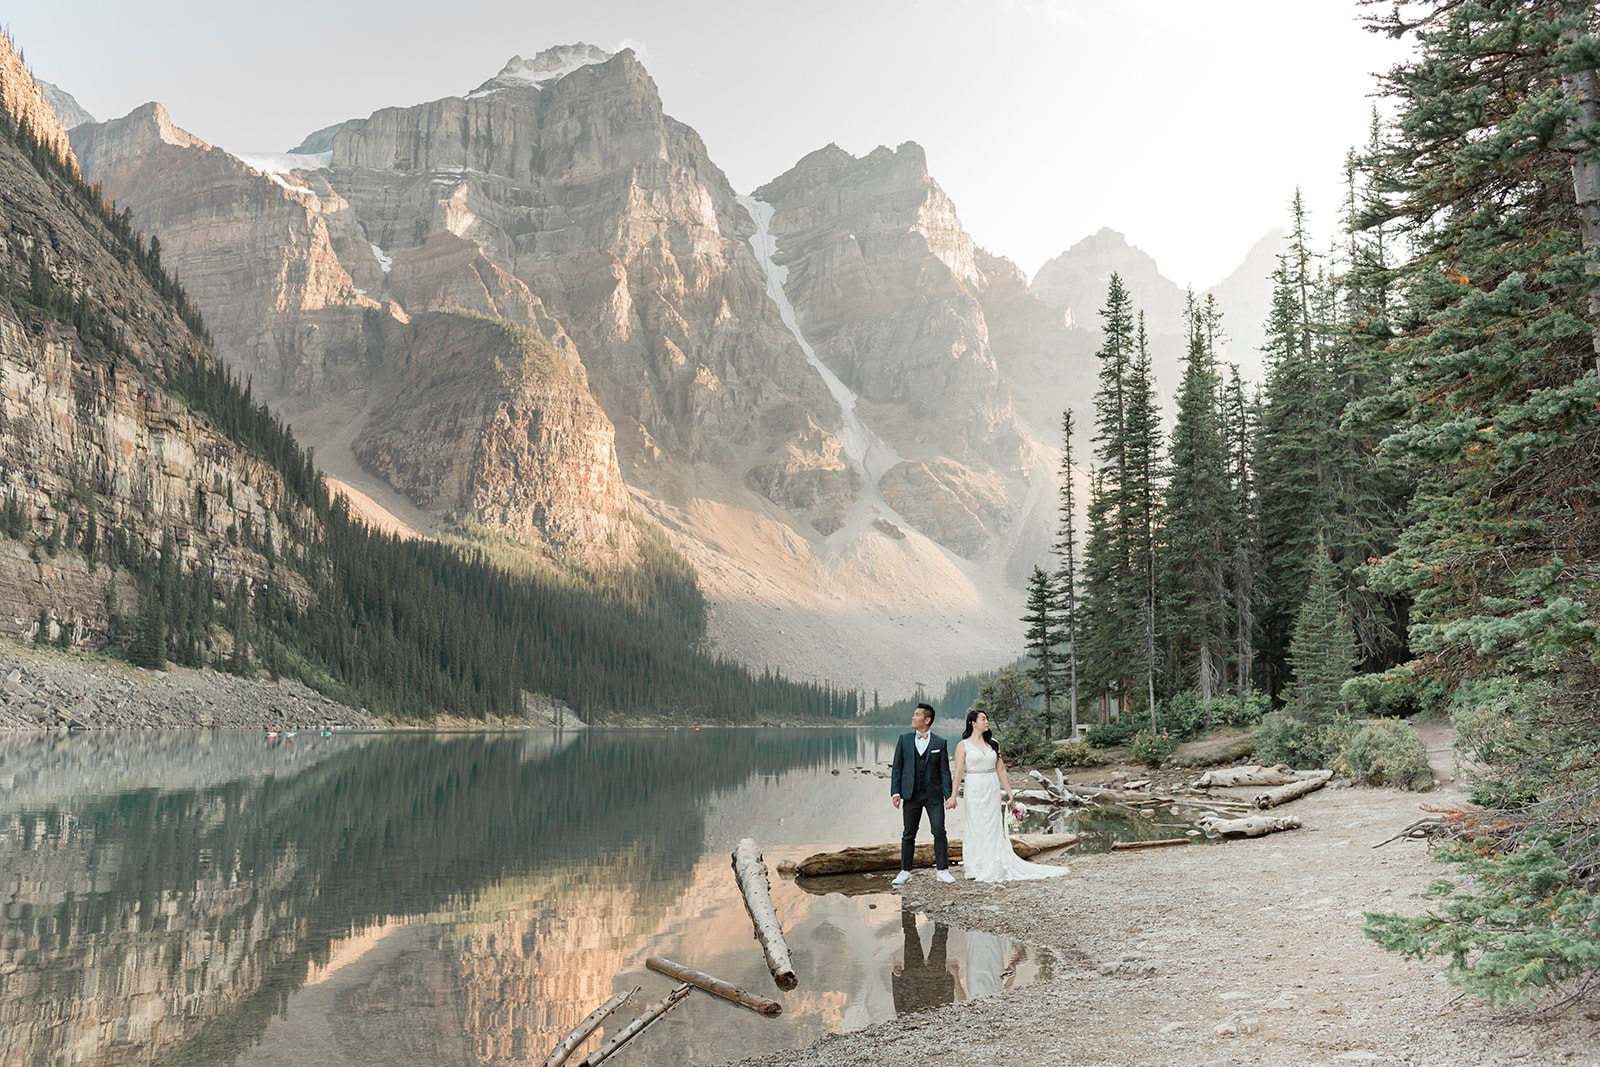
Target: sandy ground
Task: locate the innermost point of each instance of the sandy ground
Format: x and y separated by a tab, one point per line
1245	953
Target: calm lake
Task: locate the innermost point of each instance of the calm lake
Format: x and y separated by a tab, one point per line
225	898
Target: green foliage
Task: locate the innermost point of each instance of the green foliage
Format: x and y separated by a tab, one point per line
1322	651
1113	733
1384	753
1517	926
1152	749
149	643
41	632
1004	698
1284	738
1043	637
1074	754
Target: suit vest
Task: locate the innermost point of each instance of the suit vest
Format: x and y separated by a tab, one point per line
919	769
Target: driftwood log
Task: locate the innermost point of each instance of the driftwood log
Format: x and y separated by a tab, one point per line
751	874
1271	798
1128	846
866	858
581	1033
1228	776
635	1028
1250	826
715	986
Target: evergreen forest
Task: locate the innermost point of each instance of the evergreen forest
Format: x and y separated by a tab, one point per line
1399	520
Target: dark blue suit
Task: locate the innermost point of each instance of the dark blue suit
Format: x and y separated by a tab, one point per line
918	793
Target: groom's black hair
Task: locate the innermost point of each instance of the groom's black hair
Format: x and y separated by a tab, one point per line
929	709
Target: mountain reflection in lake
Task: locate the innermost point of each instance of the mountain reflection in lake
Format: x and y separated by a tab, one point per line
213	898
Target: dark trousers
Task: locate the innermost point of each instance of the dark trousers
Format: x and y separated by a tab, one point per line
912	808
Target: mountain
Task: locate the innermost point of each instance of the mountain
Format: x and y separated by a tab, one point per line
1076	282
68	111
558	197
1245	297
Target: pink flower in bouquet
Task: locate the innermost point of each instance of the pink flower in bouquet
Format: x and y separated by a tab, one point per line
1018	814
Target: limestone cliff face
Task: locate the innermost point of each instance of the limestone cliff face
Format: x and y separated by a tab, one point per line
1076	280
256	252
485	419
583	191
897	300
87	436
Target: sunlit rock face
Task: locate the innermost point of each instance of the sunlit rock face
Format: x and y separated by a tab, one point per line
557	196
583	191
895	298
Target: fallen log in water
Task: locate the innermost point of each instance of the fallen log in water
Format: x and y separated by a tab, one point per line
1250	826
865	858
580	1033
714	986
635	1028
1128	846
751	874
1271	798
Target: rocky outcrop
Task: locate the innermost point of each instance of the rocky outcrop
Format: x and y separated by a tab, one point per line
484	418
811	478
68	111
256	252
25	102
898	301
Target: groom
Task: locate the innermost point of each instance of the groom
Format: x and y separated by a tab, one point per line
920	781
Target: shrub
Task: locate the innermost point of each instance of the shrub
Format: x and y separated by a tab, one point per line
1113	733
1283	738
1385	753
1075	754
1151	748
1228	710
1183	716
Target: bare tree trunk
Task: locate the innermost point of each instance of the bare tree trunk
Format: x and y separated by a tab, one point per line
714	986
635	1028
581	1033
1580	88
751	873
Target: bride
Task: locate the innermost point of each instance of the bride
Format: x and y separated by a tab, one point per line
986	853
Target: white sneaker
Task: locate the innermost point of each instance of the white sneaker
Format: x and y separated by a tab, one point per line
902	878
945	876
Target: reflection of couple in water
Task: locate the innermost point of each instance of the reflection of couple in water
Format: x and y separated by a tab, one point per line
926	980
920	781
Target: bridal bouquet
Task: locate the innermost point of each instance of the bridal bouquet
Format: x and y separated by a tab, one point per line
1017	813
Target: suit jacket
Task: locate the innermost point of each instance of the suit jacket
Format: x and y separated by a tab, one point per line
902	775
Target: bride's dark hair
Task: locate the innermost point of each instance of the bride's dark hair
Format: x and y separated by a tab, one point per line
988	735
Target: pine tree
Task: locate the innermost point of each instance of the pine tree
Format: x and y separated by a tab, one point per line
1496	348
1293	444
1243	532
1196	517
1066	547
1043	638
1141	493
1322	651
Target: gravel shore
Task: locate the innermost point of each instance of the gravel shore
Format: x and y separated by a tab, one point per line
50	689
1244	953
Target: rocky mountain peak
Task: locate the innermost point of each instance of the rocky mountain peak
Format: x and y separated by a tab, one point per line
68	111
547	67
1077	279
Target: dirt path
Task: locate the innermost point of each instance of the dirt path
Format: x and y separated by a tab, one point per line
1245	953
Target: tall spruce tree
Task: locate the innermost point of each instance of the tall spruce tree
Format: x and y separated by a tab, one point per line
1142	492
1489	173
1322	651
1296	424
1043	639
1197	516
1066	547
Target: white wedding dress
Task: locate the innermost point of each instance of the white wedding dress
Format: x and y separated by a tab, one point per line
986	854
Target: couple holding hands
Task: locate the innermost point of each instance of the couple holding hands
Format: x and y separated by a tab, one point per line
920	781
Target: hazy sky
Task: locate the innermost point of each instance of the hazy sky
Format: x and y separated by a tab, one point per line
1184	125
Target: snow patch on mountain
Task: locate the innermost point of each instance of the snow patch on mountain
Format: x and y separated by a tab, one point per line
544	69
